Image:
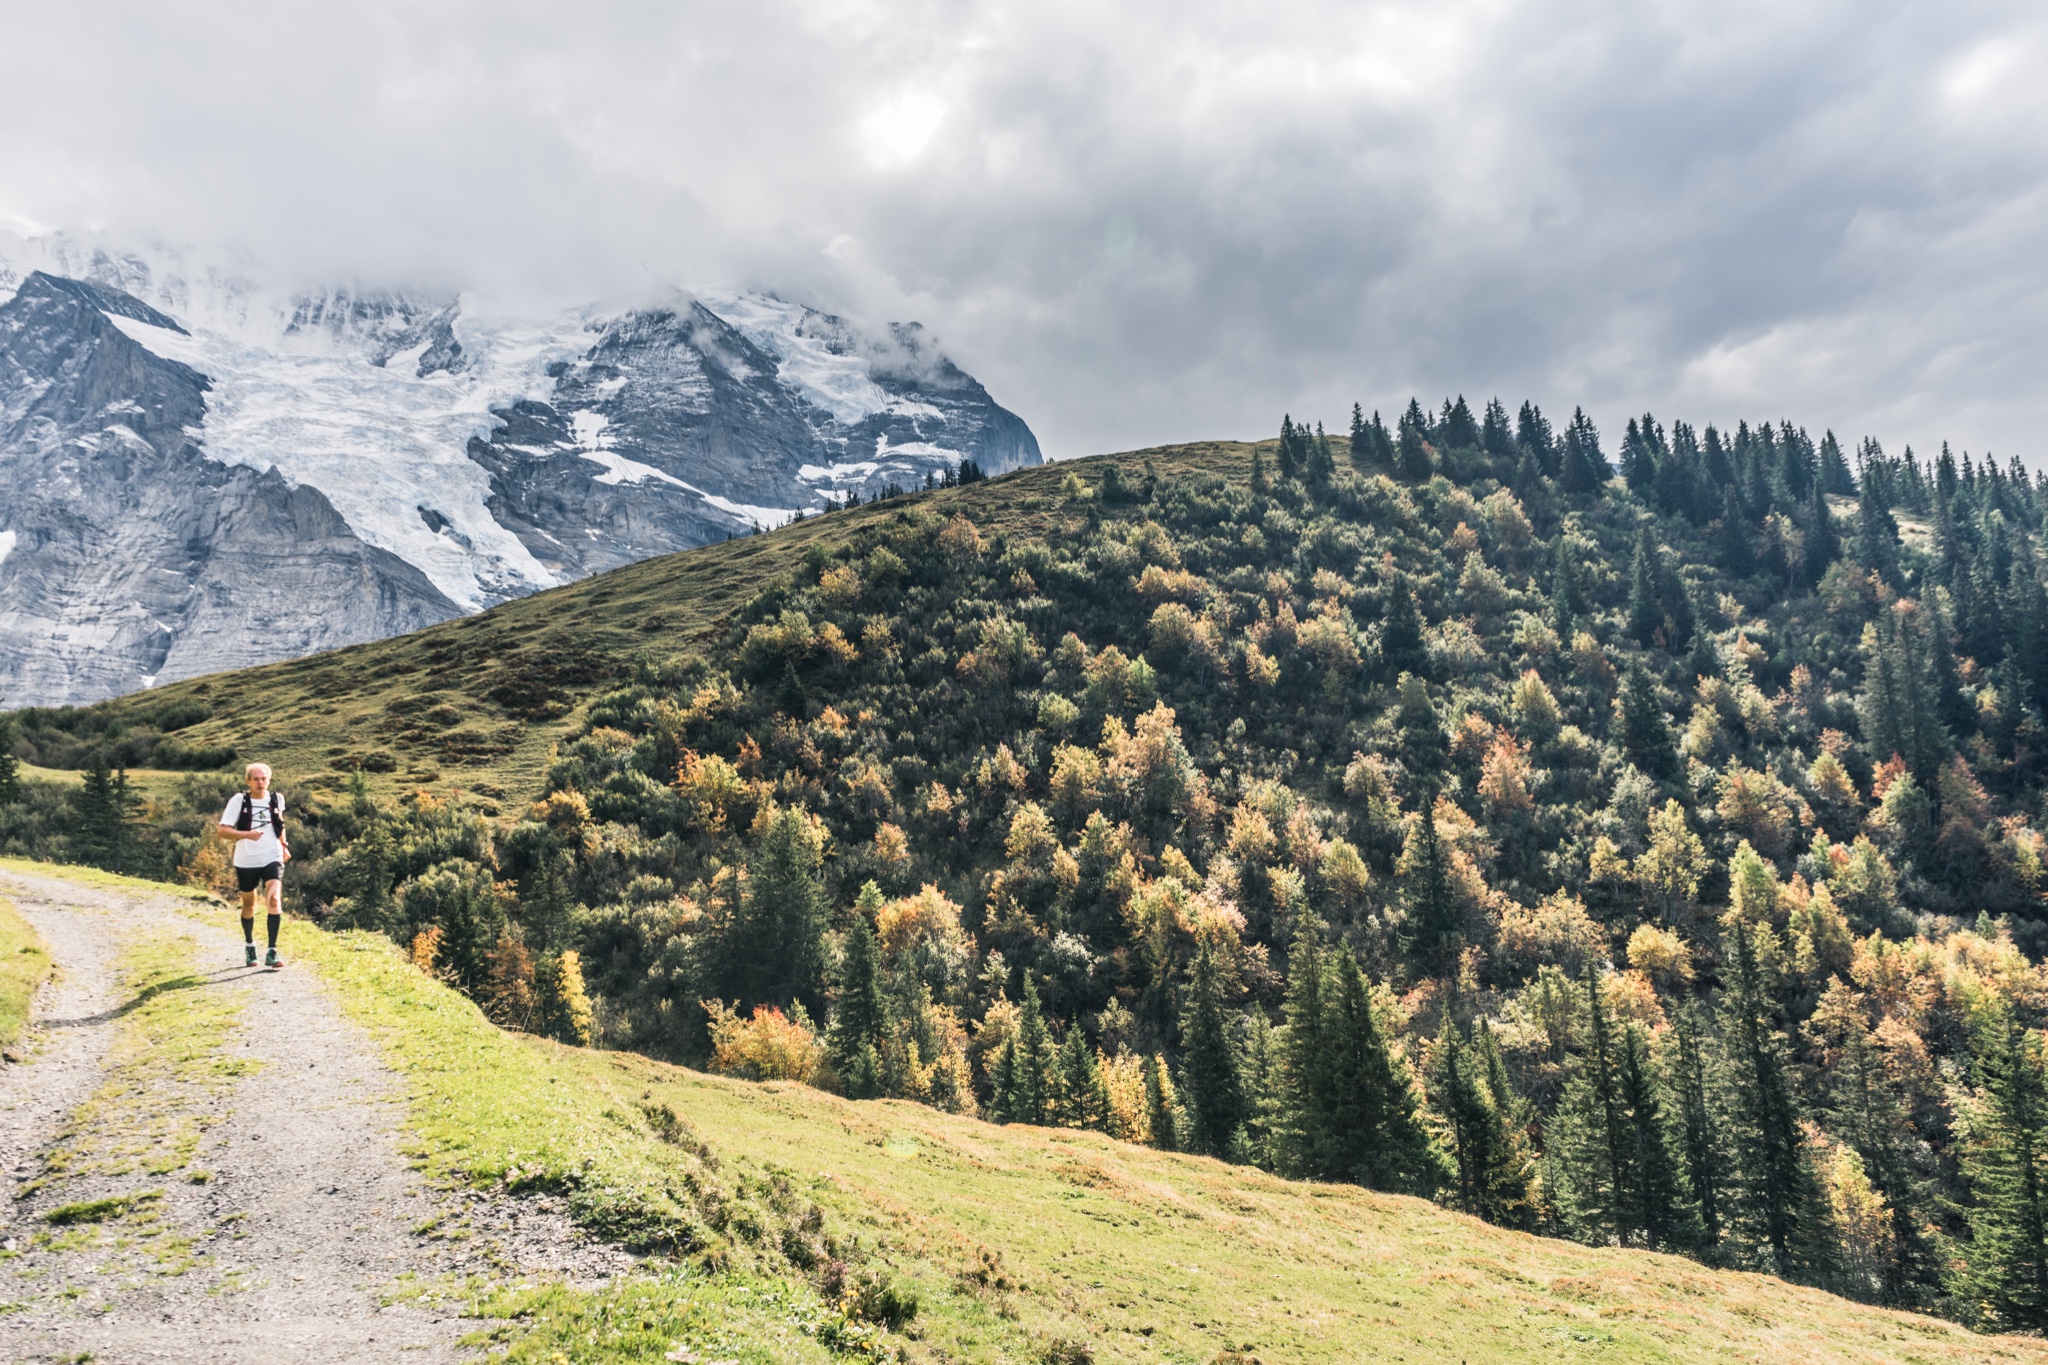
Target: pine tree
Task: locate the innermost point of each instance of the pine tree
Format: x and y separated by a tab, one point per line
1361	447
860	1016
1645	734
1210	1084
1775	1201
2004	1275
1290	460
10	765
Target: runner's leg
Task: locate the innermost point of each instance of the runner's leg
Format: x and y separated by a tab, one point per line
249	917
273	896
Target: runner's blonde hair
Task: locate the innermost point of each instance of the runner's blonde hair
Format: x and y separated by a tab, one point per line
252	768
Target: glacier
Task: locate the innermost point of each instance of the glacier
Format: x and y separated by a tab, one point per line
446	453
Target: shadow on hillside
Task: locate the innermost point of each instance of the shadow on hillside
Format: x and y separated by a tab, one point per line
189	981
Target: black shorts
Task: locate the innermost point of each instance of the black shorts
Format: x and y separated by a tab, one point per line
252	878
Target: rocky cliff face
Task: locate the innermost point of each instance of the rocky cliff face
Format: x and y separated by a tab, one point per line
197	480
131	556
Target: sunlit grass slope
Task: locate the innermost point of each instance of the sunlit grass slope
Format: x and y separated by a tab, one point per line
476	704
1018	1239
1021	1244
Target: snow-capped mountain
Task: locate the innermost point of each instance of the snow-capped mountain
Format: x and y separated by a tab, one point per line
200	476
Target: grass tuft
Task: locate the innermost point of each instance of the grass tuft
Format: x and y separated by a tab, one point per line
24	966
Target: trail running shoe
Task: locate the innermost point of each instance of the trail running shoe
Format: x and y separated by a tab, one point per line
251	961
271	959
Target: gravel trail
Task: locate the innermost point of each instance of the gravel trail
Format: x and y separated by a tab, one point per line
309	1216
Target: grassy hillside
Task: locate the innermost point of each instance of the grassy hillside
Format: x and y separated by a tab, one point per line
475	705
1019	1244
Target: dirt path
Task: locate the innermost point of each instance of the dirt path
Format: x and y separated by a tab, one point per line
283	1236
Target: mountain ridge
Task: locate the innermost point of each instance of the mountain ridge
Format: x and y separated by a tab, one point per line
489	455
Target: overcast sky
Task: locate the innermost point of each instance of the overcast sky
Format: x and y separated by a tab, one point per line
1139	223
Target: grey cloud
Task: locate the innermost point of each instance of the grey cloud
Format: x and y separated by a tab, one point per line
1831	211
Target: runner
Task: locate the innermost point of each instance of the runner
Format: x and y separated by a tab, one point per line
255	820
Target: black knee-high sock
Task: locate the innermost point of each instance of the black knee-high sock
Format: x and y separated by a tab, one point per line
270	927
249	929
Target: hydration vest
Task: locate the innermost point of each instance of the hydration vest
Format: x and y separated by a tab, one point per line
245	819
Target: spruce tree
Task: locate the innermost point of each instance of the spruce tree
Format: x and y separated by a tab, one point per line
1822	546
1306	1095
1638	460
1775	1201
860	1017
1413	454
1877	534
1027	1067
1457	430
1865	1113
1468	1090
1588	1137
1497	437
1162	1105
785	915
1082	1099
1210	1083
10	765
1361	446
1434	933
1566	605
1583	468
1374	1137
1737	543
1645	614
1699	1126
1401	647
1662	1204
2004	1274
95	831
1645	734
1319	465
1289	454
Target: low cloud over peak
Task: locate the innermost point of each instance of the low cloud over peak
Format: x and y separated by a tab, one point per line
1142	223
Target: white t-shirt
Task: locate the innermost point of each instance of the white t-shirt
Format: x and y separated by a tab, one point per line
255	852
